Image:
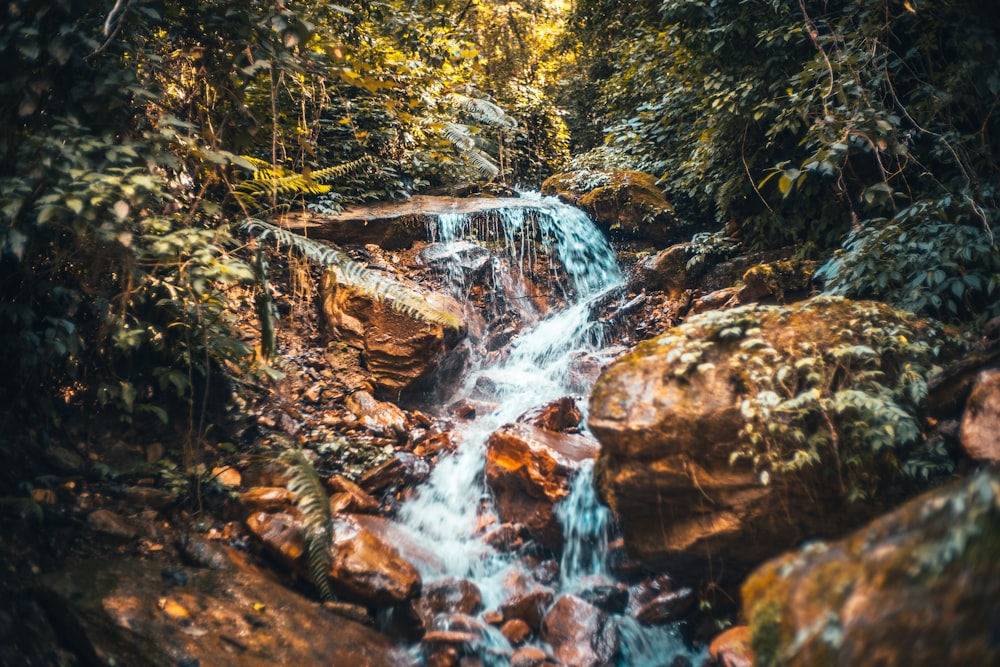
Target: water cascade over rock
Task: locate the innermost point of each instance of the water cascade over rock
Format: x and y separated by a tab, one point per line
517	493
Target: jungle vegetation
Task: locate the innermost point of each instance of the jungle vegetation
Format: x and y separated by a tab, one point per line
860	132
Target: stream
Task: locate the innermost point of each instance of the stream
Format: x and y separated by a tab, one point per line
530	370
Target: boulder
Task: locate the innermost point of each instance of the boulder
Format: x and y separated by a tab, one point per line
448	596
980	429
917	588
557	415
381	418
666	271
366	566
401	352
127	613
529	470
675	416
579	633
627	204
529	607
732	648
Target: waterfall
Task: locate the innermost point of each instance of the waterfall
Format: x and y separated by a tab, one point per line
578	267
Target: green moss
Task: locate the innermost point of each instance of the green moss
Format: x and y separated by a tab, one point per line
765	634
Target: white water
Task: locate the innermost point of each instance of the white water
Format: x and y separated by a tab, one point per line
449	510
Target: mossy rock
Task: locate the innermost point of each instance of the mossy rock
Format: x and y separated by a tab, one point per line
739	433
627	204
915	588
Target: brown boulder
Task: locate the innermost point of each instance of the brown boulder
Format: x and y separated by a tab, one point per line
915	588
671	415
346	496
529	607
666	271
126	613
732	648
266	498
579	633
529	470
400	351
628	204
379	417
448	596
560	414
980	429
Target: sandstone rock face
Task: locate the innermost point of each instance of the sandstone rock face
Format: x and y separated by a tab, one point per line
579	633
668	416
529	470
915	588
980	430
628	204
401	352
127	613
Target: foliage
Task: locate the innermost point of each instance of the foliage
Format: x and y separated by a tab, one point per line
708	248
314	506
844	399
365	280
806	121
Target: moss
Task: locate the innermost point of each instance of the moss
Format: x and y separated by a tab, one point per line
766	637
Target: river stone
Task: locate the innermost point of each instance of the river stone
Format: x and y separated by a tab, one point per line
732	648
122	613
529	470
379	417
915	588
401	352
560	414
579	633
667	432
980	429
448	596
627	204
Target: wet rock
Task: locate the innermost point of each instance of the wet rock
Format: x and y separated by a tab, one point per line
227	476
282	536
604	593
462	259
666	271
346	496
506	538
448	596
271	473
732	648
666	607
108	523
441	655
529	470
148	496
980	429
119	613
627	204
266	499
558	415
516	631
404	469
579	633
528	656
915	588
379	417
366	567
668	424
400	351
435	442
529	607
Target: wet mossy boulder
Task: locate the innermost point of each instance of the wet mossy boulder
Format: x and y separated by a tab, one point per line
627	204
915	588
739	433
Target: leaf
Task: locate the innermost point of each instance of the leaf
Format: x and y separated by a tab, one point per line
314	505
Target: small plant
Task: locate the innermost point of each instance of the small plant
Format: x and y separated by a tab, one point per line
708	248
314	505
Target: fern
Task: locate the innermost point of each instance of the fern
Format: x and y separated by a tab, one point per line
370	283
483	111
314	505
269	181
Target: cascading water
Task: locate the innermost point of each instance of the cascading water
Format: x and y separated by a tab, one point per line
529	371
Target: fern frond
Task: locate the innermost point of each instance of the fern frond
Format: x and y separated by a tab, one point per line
314	505
459	135
483	164
483	111
330	173
373	284
270	180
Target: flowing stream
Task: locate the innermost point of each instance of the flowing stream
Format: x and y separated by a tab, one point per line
505	381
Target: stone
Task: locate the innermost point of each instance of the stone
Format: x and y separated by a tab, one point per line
604	593
666	607
980	427
463	260
529	471
267	499
529	607
108	523
516	631
626	204
557	415
579	633
117	612
917	587
448	596
668	417
528	656
666	271
148	496
400	352
346	496
379	417
732	648
227	476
